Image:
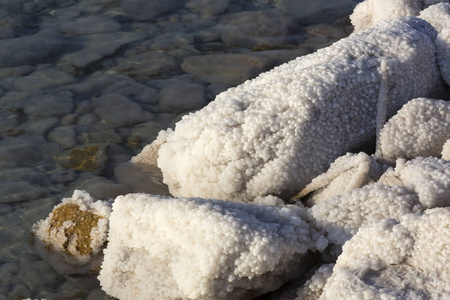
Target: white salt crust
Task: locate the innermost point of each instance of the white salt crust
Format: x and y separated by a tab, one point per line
409	259
372	12
179	248
420	128
275	133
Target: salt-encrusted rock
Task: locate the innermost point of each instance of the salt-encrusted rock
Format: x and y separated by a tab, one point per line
429	177
213	7
29	50
43	79
420	128
446	150
313	288
395	260
229	69
118	110
274	134
255	28
371	12
439	16
342	216
346	173
90	25
143	10
182	98
178	248
72	236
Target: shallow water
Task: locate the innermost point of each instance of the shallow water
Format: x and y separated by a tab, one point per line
84	85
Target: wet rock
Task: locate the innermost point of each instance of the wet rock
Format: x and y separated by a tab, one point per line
39	126
143	10
47	105
27	150
100	187
182	98
213	7
84	107
118	110
256	29
93	85
100	135
16	71
91	157
141	179
30	175
97	46
63	135
231	69
320	11
90	25
8	121
16	191
133	90
29	50
88	119
145	66
144	133
43	79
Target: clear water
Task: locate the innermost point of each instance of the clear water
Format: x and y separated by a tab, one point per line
39	166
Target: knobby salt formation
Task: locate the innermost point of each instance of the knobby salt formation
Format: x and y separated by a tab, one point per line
179	248
274	134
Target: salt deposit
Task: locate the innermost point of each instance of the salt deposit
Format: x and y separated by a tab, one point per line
85	85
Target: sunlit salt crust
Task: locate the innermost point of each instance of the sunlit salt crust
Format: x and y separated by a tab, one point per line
409	259
372	12
275	133
428	177
346	173
420	128
180	248
67	250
